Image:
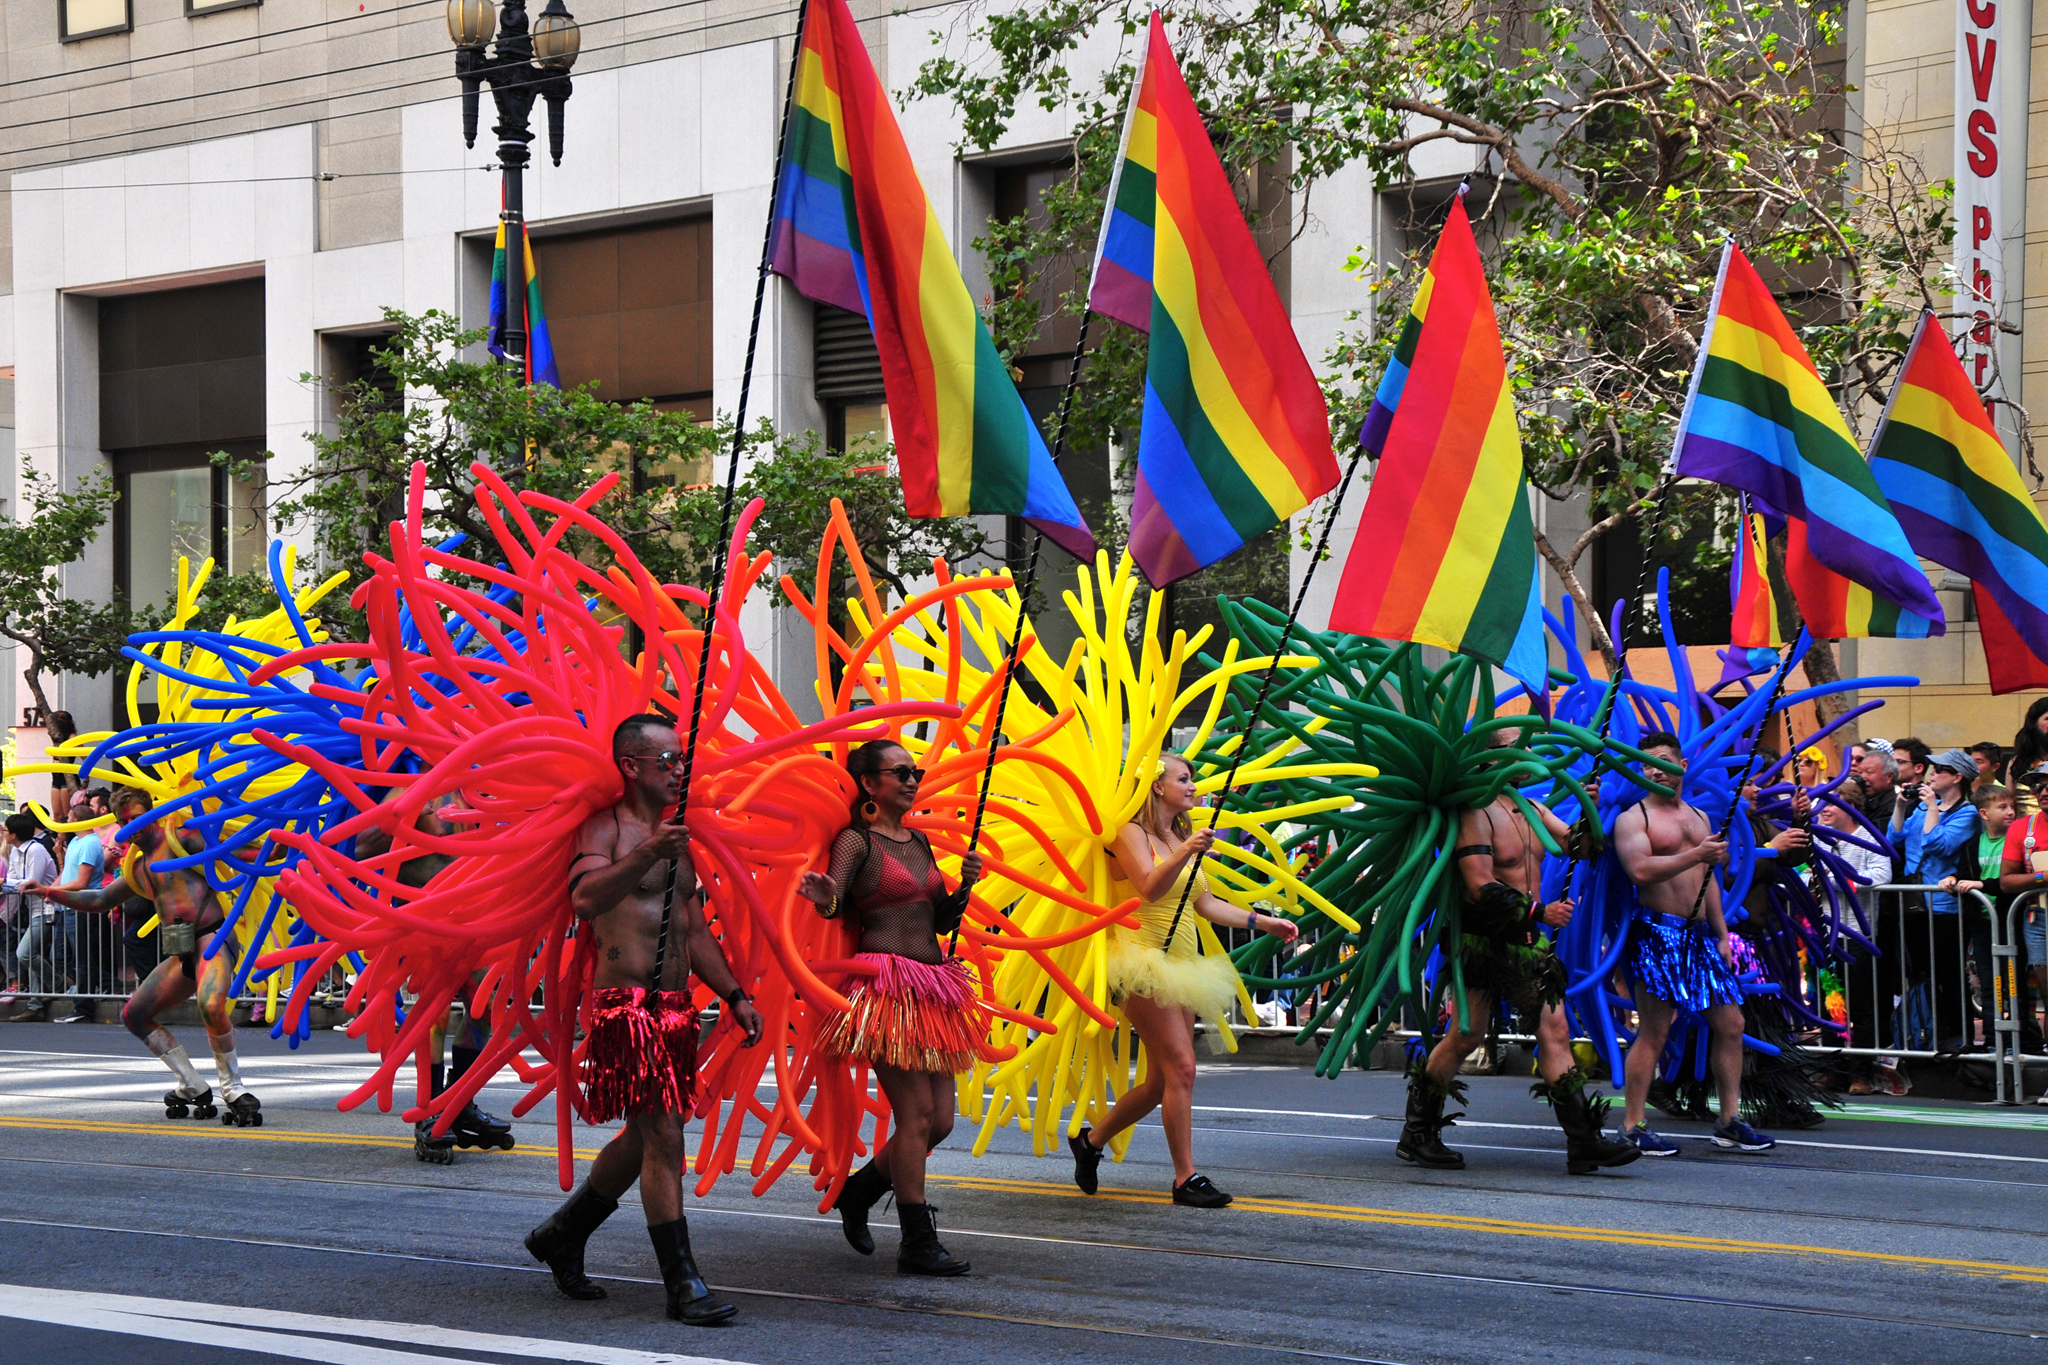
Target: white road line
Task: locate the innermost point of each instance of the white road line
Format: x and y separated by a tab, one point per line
258	1329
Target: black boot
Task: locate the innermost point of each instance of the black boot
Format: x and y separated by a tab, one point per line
921	1253
1587	1149
559	1241
689	1298
859	1194
1422	1133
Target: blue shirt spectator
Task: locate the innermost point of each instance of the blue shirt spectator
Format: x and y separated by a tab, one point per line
1941	850
85	851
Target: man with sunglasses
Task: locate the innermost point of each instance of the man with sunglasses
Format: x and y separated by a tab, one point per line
640	1061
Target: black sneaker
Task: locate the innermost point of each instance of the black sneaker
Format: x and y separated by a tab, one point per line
1196	1192
1087	1156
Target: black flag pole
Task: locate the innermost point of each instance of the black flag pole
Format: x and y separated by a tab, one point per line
994	729
1266	685
732	478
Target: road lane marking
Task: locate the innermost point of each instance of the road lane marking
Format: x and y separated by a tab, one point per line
272	1332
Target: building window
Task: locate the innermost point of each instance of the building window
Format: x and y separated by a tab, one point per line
847	374
629	310
77	19
195	8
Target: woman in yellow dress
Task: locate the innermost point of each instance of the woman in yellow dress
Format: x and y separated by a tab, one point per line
1161	988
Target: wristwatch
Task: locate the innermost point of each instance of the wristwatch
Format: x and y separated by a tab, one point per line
737	994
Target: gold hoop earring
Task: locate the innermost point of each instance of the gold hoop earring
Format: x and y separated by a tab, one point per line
869	811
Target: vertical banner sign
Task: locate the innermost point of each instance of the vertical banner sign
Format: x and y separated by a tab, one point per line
1980	227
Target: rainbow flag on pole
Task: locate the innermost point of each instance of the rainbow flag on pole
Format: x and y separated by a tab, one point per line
1755	622
1938	458
854	229
1234	438
1758	418
540	350
1445	552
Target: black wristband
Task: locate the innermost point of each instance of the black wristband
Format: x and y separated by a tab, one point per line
735	995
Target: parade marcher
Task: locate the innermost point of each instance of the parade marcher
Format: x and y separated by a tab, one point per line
1162	988
641	1060
188	913
473	1127
913	1020
1505	959
1679	956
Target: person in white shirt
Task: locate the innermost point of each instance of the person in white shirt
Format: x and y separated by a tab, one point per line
31	862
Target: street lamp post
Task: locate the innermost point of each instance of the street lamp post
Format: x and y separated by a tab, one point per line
523	67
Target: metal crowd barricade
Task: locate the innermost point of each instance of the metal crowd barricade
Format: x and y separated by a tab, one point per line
2010	997
1912	999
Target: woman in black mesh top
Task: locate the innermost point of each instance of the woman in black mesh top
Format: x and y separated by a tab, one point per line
912	1014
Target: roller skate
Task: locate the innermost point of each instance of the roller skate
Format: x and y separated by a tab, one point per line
474	1128
243	1111
179	1104
435	1151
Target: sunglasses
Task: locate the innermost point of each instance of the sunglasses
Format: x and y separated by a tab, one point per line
667	759
903	773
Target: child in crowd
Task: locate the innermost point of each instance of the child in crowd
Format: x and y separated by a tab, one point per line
1995	807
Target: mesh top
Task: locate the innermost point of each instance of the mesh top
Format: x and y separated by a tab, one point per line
892	886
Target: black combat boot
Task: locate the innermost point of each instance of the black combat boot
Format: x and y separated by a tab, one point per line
1422	1132
689	1298
1587	1149
920	1253
559	1241
859	1194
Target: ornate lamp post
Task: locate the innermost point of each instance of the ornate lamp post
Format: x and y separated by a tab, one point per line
523	67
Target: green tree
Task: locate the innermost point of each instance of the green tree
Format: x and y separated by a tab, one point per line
425	404
60	634
1622	144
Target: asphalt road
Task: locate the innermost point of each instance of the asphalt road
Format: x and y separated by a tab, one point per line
1904	1231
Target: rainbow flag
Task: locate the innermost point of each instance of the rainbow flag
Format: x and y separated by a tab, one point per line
1939	459
540	349
1831	607
1757	417
1234	438
1754	624
1445	552
854	228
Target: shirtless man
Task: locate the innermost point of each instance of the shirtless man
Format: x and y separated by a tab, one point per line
472	1127
188	913
1501	863
1679	955
616	884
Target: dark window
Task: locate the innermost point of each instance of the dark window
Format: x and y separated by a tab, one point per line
847	373
629	309
78	19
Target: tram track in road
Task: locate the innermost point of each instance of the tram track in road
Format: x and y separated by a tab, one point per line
1671	1297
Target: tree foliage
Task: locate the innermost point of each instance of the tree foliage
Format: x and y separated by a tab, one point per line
426	404
58	633
1615	145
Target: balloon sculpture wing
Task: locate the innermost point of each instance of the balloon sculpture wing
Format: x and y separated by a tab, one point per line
492	693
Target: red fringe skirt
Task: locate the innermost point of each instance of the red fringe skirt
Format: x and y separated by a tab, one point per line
915	1016
640	1053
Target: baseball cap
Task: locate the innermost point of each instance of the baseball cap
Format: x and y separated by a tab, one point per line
1955	761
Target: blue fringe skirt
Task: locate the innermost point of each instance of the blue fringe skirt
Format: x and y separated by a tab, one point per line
1675	959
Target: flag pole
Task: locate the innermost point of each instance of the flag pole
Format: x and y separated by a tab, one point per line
732	475
994	729
1266	686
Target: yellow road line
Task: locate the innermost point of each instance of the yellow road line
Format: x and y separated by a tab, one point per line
1293	1208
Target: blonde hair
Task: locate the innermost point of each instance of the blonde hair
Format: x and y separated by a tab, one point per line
1148	814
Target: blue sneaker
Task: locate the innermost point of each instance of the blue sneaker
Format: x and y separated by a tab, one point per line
1648	1143
1740	1137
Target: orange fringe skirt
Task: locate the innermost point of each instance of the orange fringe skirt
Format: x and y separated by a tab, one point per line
915	1016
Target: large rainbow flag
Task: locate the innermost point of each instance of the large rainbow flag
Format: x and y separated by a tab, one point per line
1757	417
1234	438
540	348
855	229
1831	607
1445	552
1938	458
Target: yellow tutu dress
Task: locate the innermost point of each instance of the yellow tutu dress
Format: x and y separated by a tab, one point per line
1179	974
